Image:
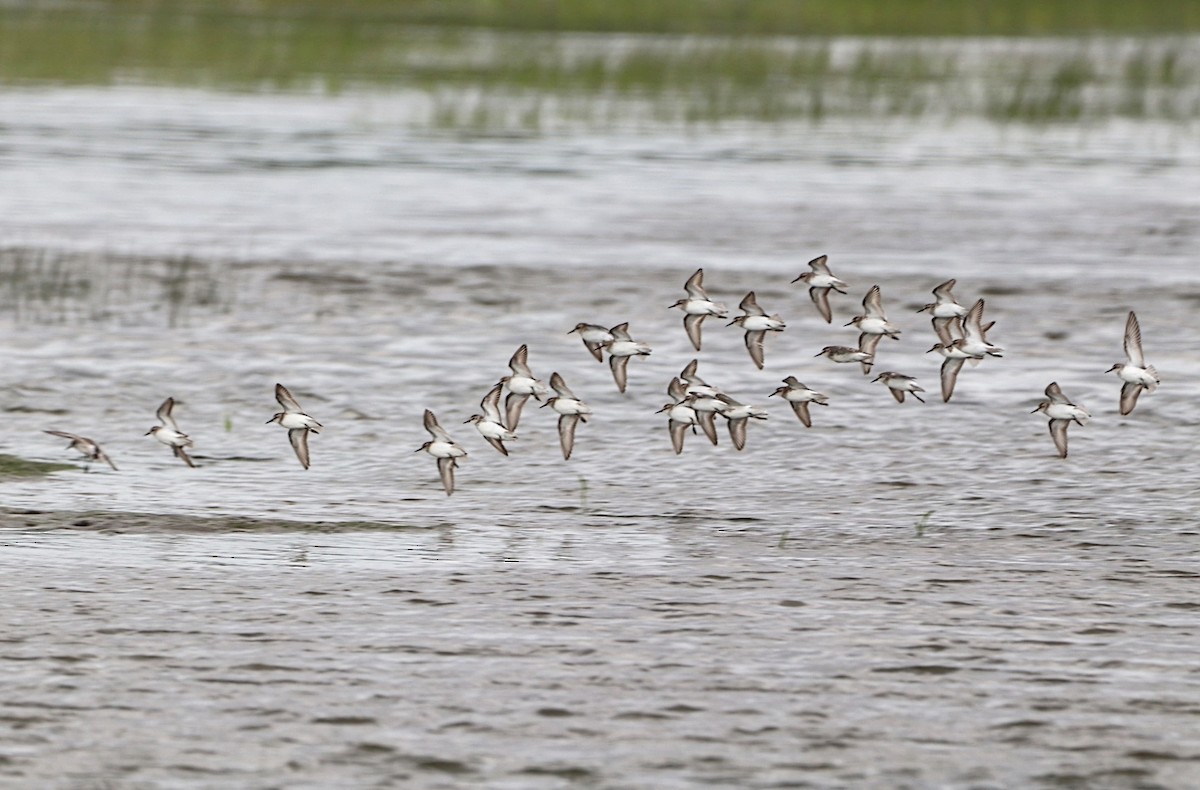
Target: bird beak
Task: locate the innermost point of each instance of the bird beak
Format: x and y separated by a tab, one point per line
849	324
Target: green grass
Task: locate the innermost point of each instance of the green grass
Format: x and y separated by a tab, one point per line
12	466
509	77
724	17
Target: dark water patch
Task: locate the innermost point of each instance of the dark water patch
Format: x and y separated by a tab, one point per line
919	669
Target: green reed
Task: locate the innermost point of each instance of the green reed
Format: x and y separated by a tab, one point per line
497	80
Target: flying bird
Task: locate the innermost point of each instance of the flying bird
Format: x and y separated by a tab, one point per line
169	434
1061	413
697	306
490	424
1135	373
296	421
757	323
443	448
88	448
820	282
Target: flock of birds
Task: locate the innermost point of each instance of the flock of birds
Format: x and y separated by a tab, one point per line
694	404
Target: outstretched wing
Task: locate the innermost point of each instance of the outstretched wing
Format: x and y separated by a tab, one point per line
164	415
754	344
286	400
820	297
1058	432
1133	342
566	433
299	439
695	286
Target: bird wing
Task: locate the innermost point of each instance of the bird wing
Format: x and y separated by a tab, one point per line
566	433
103	456
435	429
1055	393
942	292
676	390
897	394
66	435
512	409
801	409
754	344
1058	432
695	286
491	404
737	432
620	371
873	303
164	415
559	385
621	332
972	325
446	467
519	363
749	305
691	324
942	327
1129	396
1133	342
950	369
708	423
299	439
286	400
820	265
182	455
678	431
820	297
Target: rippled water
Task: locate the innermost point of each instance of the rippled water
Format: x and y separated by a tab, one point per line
902	596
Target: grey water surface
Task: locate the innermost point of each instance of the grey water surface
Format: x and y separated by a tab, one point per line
904	595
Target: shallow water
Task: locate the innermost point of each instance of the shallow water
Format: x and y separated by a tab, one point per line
905	595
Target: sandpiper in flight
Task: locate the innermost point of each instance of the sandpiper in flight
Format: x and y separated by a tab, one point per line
954	357
739	415
820	282
799	396
899	384
90	450
169	434
490	424
594	337
697	306
571	411
757	323
945	309
872	325
845	354
443	448
1061	413
1135	373
680	416
296	421
521	384
620	349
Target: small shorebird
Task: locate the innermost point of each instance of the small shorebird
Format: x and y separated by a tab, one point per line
697	306
739	415
571	411
799	396
974	341
820	282
706	408
443	448
594	337
521	384
954	357
1135	373
899	384
1061	413
846	354
620	349
490	424
945	309
680	417
757	323
169	434
872	325
90	450
296	421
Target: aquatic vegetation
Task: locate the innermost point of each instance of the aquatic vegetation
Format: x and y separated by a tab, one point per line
12	466
501	68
